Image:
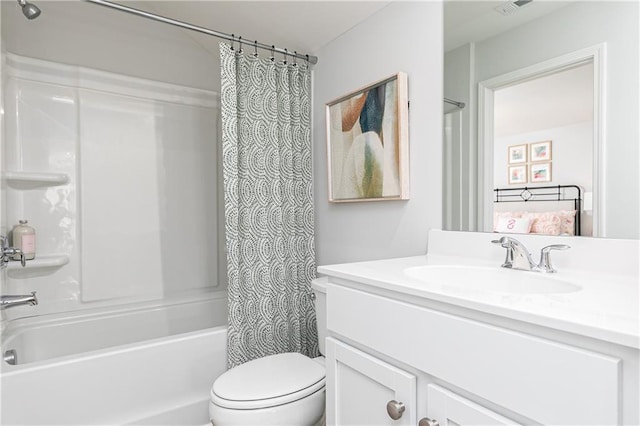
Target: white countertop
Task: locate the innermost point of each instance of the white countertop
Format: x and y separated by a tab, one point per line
605	308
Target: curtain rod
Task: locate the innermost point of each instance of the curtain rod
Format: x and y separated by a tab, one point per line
230	37
460	105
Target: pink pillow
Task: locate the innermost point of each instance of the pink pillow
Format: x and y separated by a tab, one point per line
548	223
569	217
513	225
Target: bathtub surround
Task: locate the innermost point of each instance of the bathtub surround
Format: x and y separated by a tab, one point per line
266	139
66	130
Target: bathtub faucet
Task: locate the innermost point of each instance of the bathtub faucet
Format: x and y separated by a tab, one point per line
25	299
7	253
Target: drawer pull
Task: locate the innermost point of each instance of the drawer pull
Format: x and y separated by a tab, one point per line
428	422
395	409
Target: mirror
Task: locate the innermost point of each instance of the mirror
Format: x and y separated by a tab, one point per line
500	65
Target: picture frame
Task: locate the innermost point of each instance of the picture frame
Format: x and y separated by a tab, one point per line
368	142
540	172
517	154
540	151
517	174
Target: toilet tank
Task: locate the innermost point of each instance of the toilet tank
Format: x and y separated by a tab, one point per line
319	286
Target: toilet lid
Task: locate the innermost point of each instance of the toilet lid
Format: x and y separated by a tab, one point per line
269	381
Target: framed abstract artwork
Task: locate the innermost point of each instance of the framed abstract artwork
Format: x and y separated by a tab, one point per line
540	172
540	151
368	143
517	174
517	154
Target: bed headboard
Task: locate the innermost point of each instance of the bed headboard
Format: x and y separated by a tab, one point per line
568	195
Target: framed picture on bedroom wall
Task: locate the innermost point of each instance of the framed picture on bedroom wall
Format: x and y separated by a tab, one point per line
517	154
540	172
368	143
517	174
540	151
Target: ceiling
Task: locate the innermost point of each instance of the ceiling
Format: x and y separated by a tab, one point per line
302	26
477	20
306	26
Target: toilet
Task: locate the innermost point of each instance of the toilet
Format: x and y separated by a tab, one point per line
282	389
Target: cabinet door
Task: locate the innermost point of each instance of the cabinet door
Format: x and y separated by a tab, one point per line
448	409
360	386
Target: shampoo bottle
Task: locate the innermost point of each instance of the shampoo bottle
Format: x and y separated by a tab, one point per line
24	238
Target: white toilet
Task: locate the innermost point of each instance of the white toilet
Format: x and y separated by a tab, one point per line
282	389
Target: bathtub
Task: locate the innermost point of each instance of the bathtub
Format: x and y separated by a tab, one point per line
146	363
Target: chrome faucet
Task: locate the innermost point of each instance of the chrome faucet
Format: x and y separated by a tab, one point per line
7	253
25	299
518	257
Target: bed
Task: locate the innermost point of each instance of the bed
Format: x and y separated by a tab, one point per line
549	210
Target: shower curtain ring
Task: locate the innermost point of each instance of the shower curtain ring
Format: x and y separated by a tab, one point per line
285	56
295	58
240	41
273	48
255	48
232	40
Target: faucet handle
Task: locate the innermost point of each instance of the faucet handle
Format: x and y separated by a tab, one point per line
545	257
503	241
9	253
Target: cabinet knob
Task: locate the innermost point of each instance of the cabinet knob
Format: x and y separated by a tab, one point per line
428	422
395	409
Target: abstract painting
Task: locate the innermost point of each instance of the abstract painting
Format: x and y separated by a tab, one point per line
517	174
540	172
368	143
540	151
517	154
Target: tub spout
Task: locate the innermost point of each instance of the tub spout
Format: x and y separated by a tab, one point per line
24	299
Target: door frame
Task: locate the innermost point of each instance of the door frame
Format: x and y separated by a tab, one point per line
486	92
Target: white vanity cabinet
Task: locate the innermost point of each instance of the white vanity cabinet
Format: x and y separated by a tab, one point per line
458	369
367	391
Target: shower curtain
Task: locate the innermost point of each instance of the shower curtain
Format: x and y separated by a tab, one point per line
266	144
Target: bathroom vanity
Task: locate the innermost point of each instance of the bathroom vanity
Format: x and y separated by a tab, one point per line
451	338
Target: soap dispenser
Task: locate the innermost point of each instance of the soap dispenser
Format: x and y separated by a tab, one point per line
24	238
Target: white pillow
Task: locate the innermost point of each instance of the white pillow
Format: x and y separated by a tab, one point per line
513	225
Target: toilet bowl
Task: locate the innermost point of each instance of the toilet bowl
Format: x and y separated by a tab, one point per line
282	389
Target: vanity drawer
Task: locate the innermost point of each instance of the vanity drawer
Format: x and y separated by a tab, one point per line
548	382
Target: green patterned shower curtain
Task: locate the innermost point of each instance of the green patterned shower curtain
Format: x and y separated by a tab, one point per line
266	144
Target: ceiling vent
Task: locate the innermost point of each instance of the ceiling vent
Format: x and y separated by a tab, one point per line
512	6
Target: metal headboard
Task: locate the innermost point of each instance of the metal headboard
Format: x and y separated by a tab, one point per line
543	193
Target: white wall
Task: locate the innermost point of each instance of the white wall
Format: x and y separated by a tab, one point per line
404	36
572	154
80	33
577	26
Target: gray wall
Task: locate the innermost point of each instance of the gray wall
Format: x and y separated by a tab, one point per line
404	36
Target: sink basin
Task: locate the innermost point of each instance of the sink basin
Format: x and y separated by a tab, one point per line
496	280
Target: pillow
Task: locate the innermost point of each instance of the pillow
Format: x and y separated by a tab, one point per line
498	215
569	217
513	225
548	223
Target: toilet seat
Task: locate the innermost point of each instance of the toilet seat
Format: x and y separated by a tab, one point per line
268	382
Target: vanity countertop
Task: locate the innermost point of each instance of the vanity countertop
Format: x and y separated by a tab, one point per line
605	308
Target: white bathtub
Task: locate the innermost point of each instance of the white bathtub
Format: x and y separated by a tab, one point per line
148	363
